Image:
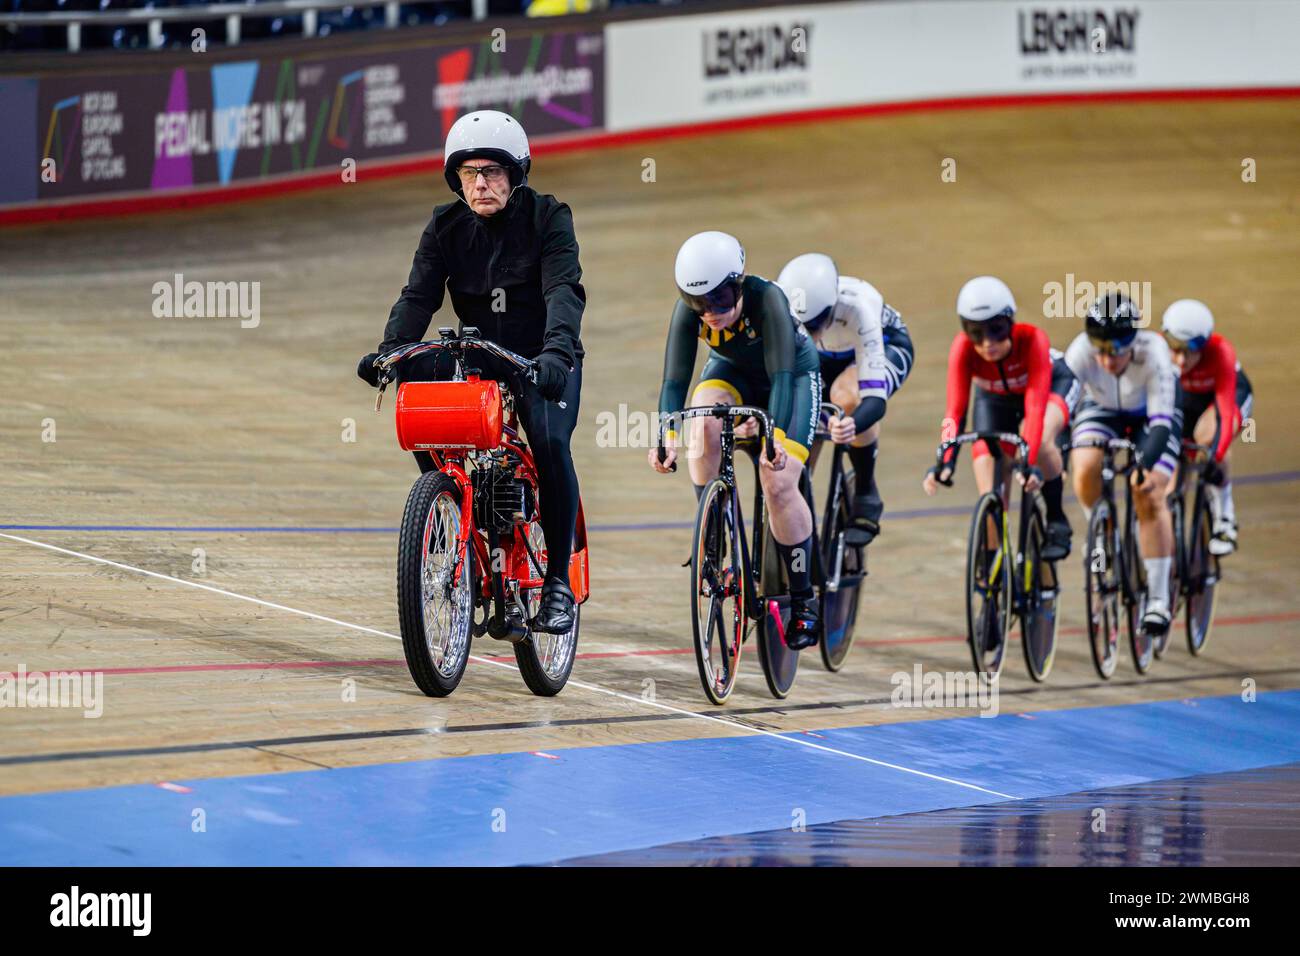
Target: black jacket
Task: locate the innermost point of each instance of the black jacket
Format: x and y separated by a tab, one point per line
527	251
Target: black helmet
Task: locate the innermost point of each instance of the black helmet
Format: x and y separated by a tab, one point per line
1112	321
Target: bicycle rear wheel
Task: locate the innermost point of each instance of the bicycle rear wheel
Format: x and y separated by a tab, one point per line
988	587
718	576
1038	620
1135	595
545	660
845	567
1177	572
780	663
435	584
1101	570
1202	577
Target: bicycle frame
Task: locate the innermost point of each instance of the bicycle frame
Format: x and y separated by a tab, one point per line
994	441
830	567
1195	459
499	581
750	555
1109	472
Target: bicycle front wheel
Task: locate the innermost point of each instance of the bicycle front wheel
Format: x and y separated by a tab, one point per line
1101	571
1039	587
718	577
435	584
988	587
1202	577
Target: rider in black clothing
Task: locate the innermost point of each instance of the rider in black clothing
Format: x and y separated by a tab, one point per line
510	259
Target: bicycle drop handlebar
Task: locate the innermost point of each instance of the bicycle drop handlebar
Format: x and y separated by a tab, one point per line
720	411
450	340
993	439
1116	444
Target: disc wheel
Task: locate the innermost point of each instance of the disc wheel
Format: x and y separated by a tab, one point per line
435	584
1101	570
717	592
1202	578
988	588
840	607
779	662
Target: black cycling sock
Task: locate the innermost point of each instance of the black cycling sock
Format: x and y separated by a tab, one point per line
1052	491
864	467
797	559
699	490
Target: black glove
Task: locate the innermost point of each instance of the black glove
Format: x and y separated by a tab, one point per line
366	370
1214	474
552	375
939	474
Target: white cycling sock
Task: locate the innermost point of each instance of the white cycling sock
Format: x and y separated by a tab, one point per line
1226	510
1158	581
1087	513
1214	495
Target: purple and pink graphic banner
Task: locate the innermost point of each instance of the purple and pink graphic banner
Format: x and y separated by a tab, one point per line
237	122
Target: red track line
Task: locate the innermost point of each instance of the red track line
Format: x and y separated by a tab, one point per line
430	162
1241	620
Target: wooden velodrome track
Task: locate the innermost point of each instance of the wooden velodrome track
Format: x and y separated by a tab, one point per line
199	424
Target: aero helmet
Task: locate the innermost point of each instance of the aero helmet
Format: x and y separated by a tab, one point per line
812	284
1188	324
986	308
708	270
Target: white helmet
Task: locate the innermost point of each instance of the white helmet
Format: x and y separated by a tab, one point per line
1190	322
984	298
812	284
709	268
486	134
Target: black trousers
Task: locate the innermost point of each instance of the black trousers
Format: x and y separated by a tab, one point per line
548	427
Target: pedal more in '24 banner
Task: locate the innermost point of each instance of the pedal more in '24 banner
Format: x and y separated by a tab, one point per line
240	121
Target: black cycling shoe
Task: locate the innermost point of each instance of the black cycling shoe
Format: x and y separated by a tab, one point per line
1057	545
805	624
866	513
556	613
1156	620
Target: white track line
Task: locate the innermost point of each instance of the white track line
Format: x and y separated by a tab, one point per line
725	721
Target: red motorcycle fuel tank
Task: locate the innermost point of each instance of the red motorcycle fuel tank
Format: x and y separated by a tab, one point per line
449	415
